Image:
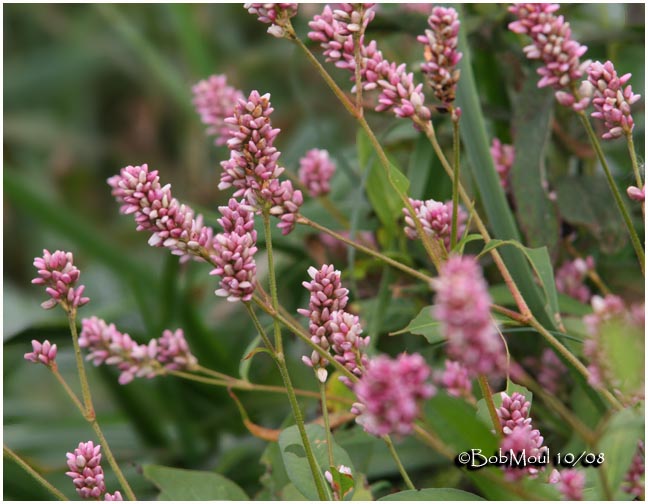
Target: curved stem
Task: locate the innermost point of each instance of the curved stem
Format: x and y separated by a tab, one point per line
66	387
397	459
259	327
455	181
211	372
7	452
634	238
487	394
366	250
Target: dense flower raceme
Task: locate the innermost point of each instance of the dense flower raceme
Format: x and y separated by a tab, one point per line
398	92
44	353
59	275
172	225
214	101
607	309
389	394
462	306
570	278
455	380
436	219
554	46
252	168
276	15
315	171
570	483
116	496
106	345
234	251
611	100
519	434
441	55
86	471
503	158
634	480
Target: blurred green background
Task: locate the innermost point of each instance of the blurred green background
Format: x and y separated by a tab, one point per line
89	89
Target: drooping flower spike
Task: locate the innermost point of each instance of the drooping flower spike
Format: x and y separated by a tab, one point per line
59	275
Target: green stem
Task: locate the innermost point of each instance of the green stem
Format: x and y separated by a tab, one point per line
455	181
113	463
259	327
398	265
397	459
272	279
636	243
7	452
66	387
487	394
633	159
325	417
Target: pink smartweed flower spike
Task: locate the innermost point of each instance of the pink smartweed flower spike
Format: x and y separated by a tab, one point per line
44	352
570	483
347	344
570	278
441	55
59	275
634	480
611	100
462	306
234	251
276	15
553	45
173	351
86	471
436	219
504	158
455	380
117	496
214	101
389	394
315	171
551	372
514	411
353	18
171	224
636	194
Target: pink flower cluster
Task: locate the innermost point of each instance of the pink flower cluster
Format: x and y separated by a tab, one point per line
171	224
234	251
503	157
463	309
398	93
570	278
441	53
455	380
107	345
551	372
605	309
634	193
611	100
389	393
353	18
59	275
44	352
570	483
553	44
315	171
252	168
214	101
276	15
519	434
634	480
87	474
436	219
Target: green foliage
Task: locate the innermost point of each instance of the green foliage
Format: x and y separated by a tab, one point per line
432	494
181	484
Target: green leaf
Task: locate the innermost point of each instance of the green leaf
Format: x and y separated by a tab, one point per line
459	247
182	484
342	482
424	324
421	167
536	214
246	361
296	463
579	202
624	348
432	494
290	493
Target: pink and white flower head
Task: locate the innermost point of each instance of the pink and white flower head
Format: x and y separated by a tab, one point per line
276	15
522	439
86	471
353	18
441	55
59	275
636	194
503	158
570	278
462	306
173	351
117	496
612	100
286	202
570	483
390	392
514	411
436	219
44	353
455	380
234	252
171	224
315	171
633	482
347	343
214	101
551	372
